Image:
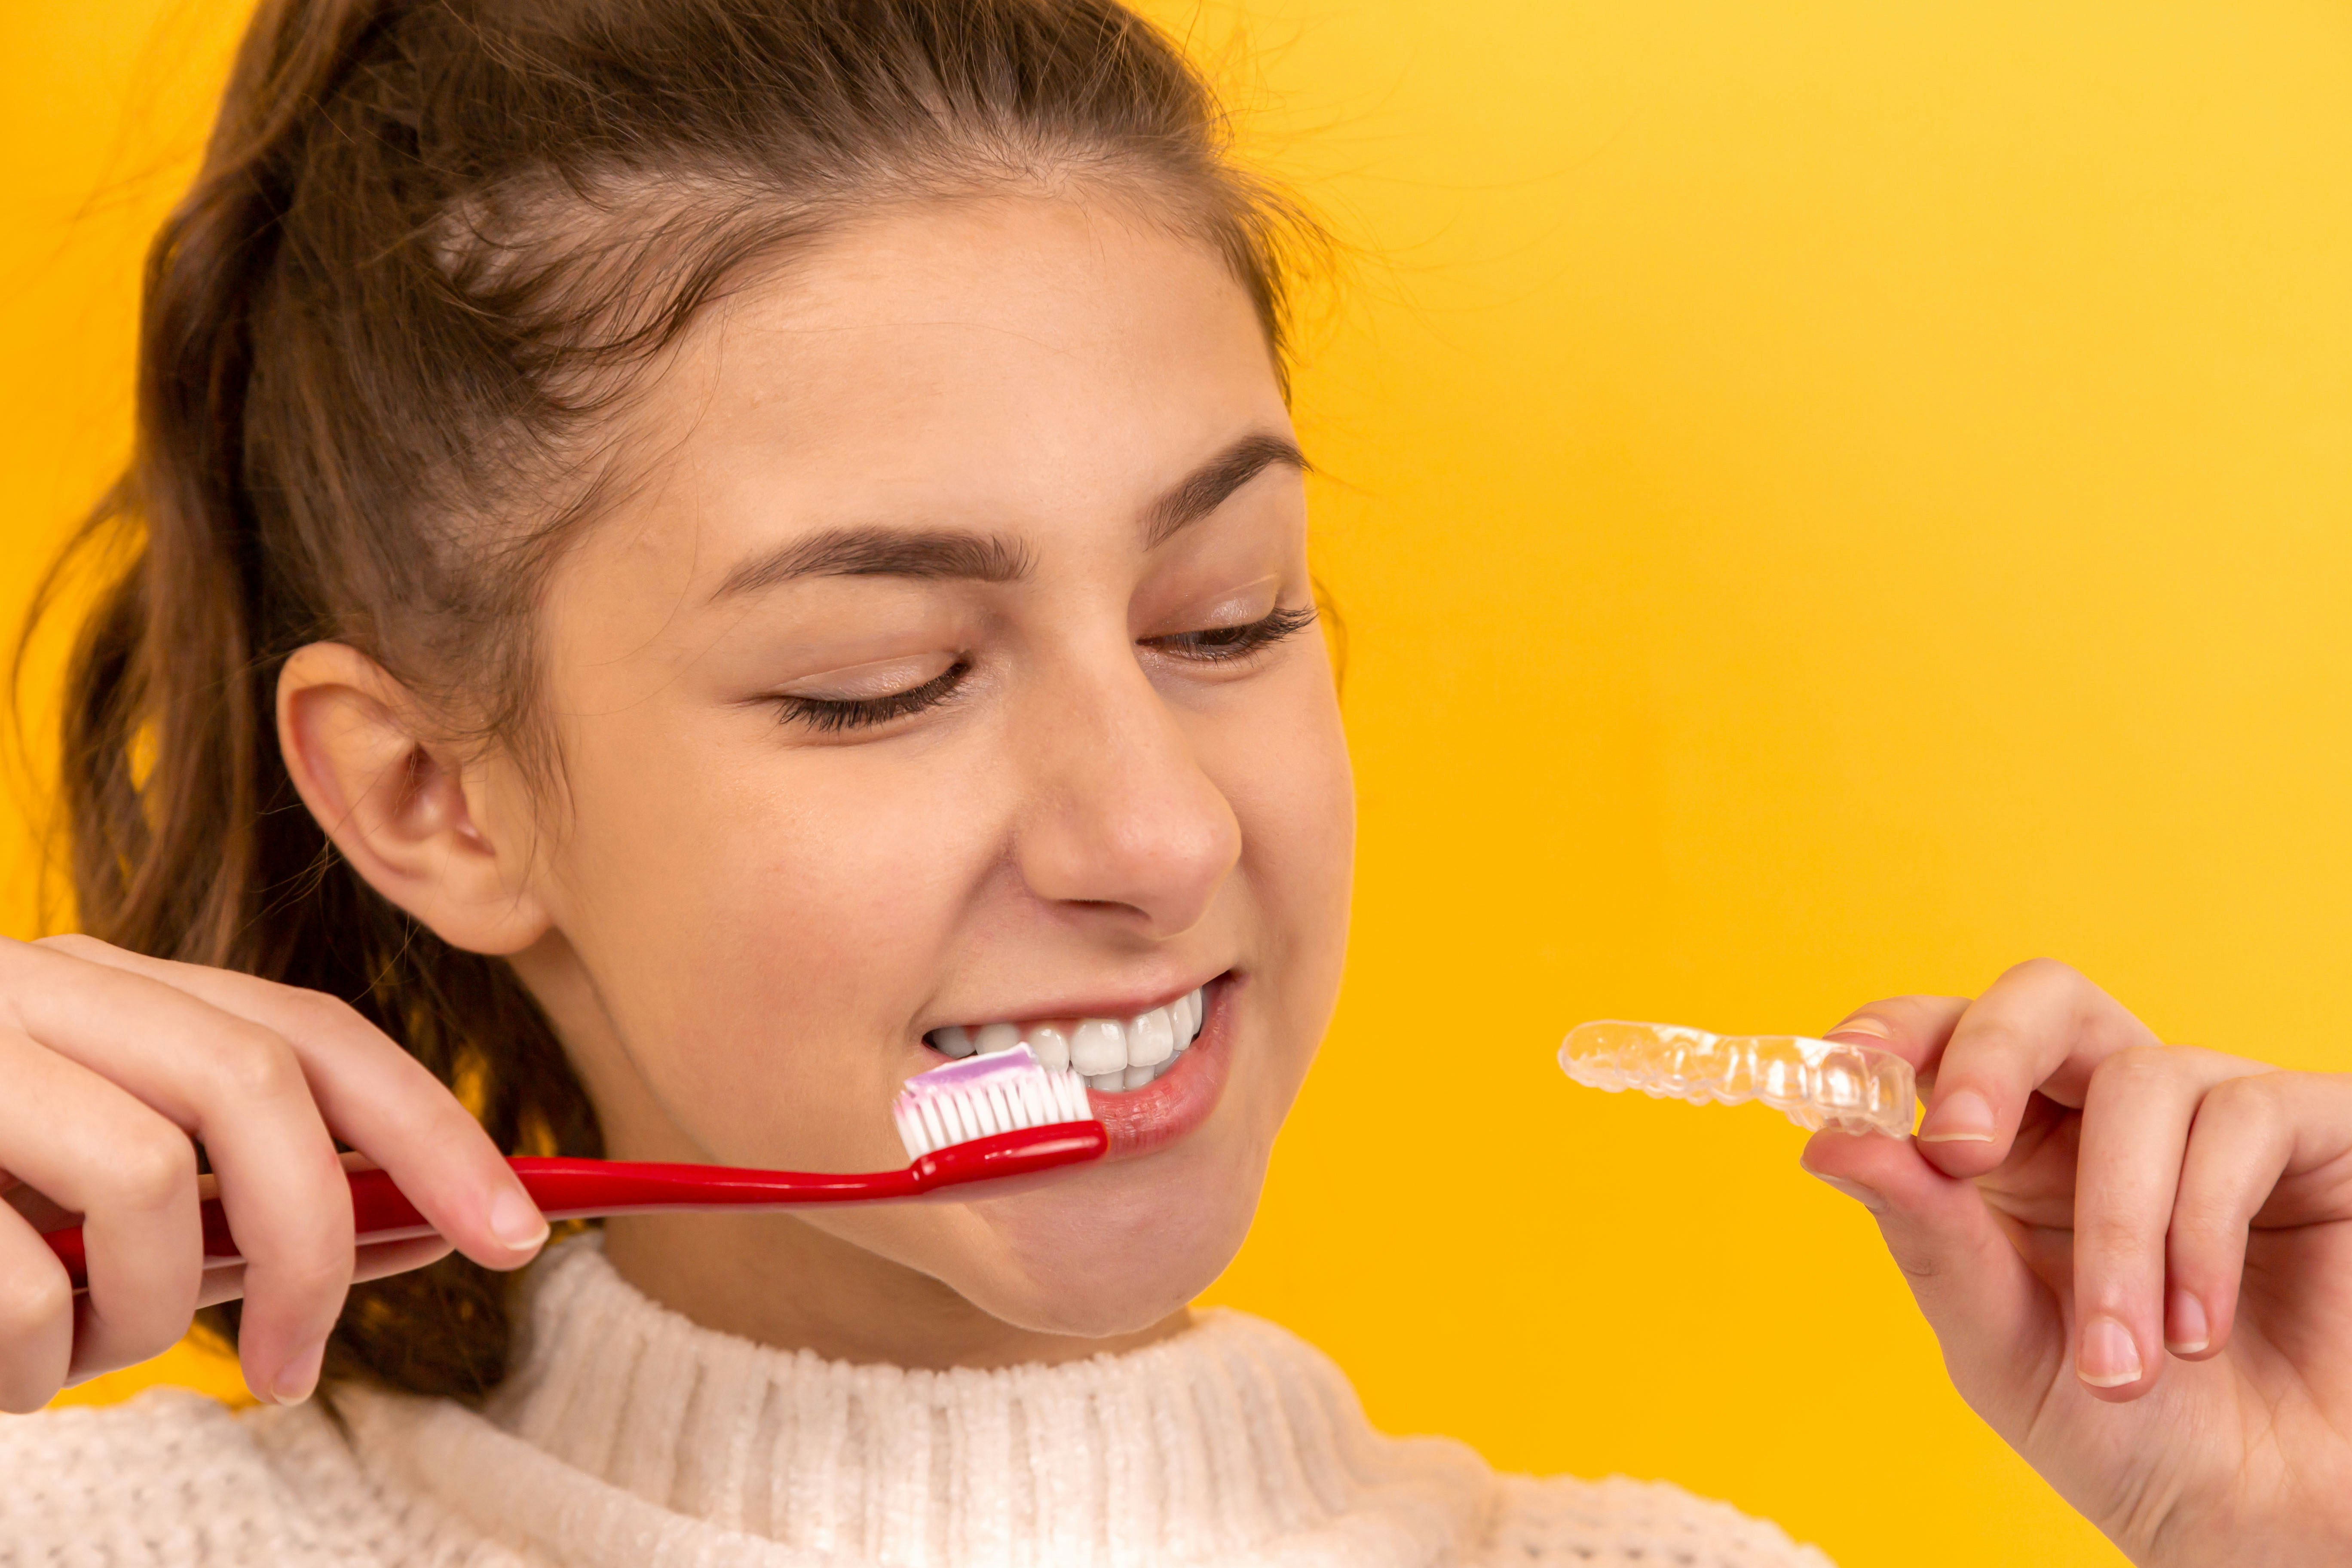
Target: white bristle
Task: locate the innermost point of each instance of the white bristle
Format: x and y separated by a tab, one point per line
977	1096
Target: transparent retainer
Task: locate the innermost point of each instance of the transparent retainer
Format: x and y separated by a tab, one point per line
1814	1083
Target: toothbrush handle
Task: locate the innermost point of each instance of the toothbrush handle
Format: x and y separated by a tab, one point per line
589	1189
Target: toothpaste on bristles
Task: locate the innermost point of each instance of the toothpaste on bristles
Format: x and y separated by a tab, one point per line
978	1097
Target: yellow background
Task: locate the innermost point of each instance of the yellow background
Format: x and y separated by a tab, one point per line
1830	498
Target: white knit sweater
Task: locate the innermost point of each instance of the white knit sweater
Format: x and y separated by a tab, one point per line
632	1438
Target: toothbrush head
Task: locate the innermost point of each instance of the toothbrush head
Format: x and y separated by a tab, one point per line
984	1096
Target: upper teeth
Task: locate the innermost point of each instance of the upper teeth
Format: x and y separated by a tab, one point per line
1111	1053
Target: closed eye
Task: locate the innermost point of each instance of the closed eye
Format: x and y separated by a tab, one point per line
831	715
1220	645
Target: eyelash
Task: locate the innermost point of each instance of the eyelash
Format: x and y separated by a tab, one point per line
1216	644
831	715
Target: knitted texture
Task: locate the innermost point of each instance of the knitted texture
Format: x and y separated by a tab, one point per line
628	1436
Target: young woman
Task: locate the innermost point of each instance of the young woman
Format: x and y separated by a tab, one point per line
684	549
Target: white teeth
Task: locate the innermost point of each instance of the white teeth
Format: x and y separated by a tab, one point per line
1111	1054
1098	1048
1051	1045
1151	1039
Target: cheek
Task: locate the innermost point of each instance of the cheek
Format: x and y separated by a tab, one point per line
1289	779
759	934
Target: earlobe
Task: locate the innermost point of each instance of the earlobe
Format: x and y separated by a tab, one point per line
398	804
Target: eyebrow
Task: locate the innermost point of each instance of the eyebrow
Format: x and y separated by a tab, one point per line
1204	489
871	551
949	554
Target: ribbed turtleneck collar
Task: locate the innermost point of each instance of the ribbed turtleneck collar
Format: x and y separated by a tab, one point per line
630	1436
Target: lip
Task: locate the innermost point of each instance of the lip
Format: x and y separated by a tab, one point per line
1141	1120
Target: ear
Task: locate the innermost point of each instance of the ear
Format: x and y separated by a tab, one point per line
401	806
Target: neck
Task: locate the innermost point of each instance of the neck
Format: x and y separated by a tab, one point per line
779	1281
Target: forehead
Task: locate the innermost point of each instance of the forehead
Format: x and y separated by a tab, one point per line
1009	356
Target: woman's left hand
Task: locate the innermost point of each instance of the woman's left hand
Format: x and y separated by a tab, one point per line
2137	1257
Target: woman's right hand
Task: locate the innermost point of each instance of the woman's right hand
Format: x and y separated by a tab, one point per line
114	1066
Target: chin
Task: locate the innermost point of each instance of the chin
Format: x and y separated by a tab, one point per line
1099	1269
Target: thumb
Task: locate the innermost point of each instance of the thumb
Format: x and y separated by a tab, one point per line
2002	1337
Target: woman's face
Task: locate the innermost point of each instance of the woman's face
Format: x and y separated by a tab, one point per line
953	668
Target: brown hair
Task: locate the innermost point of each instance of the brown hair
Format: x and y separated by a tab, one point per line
430	242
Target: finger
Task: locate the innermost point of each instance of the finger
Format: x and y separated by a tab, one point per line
96	1151
1912	1027
1999	1329
238	1088
376	1097
2136	1112
226	1282
36	1318
382	1259
2041	1027
2248	1132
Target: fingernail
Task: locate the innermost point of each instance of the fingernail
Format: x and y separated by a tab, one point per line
516	1220
2186	1332
2110	1356
1871	1027
298	1377
1868	1197
1963	1116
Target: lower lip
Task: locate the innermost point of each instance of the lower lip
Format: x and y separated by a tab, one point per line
1140	1121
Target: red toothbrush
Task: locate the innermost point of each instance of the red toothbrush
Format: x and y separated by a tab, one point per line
978	1119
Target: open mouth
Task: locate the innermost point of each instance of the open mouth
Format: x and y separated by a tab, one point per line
1114	1055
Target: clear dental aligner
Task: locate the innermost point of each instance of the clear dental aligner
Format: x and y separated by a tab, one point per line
1815	1083
1111	1054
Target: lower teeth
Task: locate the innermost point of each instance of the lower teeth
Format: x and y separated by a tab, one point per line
1164	1032
1132	1077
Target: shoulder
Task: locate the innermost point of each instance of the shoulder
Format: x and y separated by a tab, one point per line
1617	1520
174	1478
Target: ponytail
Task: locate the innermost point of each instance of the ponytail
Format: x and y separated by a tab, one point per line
186	837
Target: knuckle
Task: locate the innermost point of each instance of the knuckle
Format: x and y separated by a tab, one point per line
2044	971
1917	1262
313	1272
326	1016
2201	1222
148	1172
2137	1068
1995	1034
251	1064
2110	1237
32	1296
2253	1102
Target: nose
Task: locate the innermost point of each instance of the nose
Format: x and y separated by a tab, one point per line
1119	814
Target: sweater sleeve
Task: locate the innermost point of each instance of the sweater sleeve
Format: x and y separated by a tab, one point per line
170	1477
1546	1520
